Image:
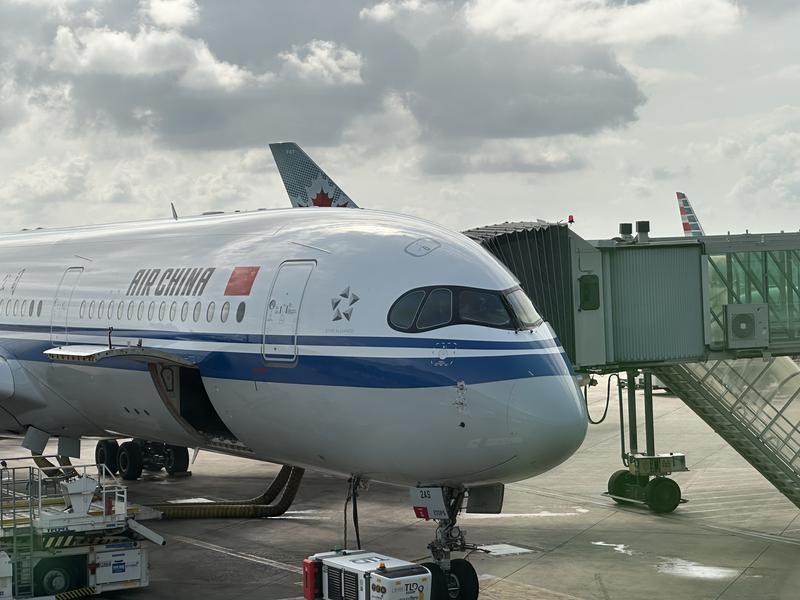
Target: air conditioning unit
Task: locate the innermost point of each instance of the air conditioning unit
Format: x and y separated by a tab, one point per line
747	326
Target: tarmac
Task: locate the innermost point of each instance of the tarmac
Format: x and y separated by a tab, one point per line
737	538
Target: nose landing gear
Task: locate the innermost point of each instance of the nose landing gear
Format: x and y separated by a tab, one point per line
452	579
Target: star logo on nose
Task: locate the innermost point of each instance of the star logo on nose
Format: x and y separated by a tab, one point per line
342	304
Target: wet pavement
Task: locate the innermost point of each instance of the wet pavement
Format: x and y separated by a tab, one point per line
736	539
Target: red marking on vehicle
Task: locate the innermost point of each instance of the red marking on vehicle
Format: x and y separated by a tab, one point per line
687	227
421	512
241	281
322	199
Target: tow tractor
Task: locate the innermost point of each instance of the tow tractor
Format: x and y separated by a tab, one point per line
66	531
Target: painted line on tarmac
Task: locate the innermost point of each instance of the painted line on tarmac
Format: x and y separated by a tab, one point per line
243	555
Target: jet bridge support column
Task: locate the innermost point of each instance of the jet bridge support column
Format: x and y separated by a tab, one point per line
645	481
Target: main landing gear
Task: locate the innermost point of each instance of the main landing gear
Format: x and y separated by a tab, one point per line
452	578
634	484
131	458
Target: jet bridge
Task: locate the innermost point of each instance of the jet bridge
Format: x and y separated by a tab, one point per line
708	316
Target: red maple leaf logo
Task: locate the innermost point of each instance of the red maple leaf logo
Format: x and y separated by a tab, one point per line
322	199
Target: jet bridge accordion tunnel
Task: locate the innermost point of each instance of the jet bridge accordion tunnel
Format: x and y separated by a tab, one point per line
707	316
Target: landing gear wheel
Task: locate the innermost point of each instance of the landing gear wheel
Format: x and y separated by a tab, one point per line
438	583
462	581
56	580
130	461
105	453
662	495
617	483
177	459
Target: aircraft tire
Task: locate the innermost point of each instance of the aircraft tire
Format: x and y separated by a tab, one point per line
462	580
662	495
105	453
438	582
130	461
177	459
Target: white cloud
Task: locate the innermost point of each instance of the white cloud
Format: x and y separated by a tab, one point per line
602	21
389	9
171	13
323	61
146	53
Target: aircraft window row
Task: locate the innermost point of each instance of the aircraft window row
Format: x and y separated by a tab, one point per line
155	311
20	308
428	308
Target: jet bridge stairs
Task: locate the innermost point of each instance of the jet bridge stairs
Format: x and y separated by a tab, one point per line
754	422
714	318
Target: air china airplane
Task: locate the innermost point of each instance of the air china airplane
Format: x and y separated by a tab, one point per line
355	342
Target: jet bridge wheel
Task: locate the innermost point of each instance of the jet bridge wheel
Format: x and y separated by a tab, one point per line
618	484
662	495
105	453
130	461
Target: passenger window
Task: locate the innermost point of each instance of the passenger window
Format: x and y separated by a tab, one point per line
81	311
39	309
1	305
185	311
438	309
223	312
405	309
120	309
240	312
162	310
210	312
140	311
16	305
173	310
91	309
151	311
101	309
31	308
482	308
196	313
24	308
130	310
110	313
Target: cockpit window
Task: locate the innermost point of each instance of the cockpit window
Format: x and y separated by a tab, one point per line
438	309
423	309
483	308
405	310
523	309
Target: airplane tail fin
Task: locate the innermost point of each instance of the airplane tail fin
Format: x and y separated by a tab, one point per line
305	182
691	226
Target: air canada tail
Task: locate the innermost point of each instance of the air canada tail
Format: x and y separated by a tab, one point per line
306	183
691	226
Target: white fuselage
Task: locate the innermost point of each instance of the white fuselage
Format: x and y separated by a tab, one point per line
304	368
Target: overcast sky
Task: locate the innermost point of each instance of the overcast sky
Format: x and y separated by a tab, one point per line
467	113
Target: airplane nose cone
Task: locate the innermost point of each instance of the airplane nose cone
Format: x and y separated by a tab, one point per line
549	415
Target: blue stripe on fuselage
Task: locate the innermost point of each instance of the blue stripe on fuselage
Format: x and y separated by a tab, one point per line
397	372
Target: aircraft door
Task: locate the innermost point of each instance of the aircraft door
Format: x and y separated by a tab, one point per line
59	320
283	311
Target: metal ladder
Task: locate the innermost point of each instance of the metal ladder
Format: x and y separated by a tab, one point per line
747	411
18	511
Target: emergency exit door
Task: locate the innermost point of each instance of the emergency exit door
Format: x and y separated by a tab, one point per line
283	311
59	319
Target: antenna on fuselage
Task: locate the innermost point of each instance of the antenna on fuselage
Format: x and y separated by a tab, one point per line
174	212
